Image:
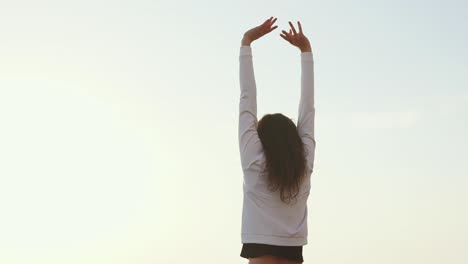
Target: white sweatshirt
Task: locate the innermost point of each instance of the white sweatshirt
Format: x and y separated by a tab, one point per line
265	218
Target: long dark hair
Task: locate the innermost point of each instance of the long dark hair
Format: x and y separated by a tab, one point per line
284	152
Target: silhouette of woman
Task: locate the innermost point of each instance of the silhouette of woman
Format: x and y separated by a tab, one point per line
277	160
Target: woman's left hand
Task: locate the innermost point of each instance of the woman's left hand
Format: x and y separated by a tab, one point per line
259	31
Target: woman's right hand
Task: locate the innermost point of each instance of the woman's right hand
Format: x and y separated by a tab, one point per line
297	39
259	31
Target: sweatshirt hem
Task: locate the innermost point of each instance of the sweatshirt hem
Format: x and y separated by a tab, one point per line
274	240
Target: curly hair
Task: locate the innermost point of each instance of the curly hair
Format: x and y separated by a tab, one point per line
284	150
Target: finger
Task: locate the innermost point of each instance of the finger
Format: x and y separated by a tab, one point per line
266	22
300	26
270	23
286	34
273	28
274	20
292	28
285	38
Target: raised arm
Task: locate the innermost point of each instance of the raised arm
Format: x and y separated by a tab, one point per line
306	119
249	143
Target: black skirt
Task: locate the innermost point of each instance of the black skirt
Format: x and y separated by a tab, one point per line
252	250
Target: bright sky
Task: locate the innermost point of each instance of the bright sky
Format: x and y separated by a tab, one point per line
118	129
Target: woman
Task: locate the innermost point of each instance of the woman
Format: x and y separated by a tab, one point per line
277	160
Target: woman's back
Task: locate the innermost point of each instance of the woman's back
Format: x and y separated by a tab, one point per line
268	219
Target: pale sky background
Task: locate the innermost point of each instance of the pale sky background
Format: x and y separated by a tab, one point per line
118	129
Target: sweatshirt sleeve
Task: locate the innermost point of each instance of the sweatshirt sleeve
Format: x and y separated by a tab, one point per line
306	119
250	146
